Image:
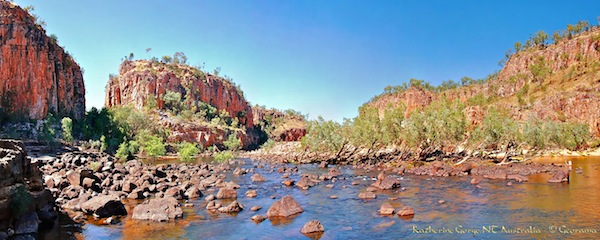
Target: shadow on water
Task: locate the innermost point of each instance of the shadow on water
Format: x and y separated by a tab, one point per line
528	209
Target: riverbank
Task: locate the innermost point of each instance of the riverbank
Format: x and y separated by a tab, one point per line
227	193
95	188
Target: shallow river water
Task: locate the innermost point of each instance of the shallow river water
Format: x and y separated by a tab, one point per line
494	211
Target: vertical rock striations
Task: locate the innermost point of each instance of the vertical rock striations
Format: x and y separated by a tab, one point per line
37	76
140	79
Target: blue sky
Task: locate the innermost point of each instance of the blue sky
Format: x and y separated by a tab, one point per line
319	57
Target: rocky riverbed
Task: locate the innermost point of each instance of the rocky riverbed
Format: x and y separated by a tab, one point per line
95	188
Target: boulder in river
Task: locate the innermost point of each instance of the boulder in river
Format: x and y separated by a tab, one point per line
227	193
104	206
406	211
561	175
367	195
285	207
158	209
386	209
257	178
233	207
313	226
386	182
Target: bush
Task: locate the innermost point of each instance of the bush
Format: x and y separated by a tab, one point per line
496	129
324	136
392	124
224	156
367	131
127	149
187	150
67	129
20	200
154	147
173	102
233	143
441	123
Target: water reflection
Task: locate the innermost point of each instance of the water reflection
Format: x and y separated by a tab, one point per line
535	203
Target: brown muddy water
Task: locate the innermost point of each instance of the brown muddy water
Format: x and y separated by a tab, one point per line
530	210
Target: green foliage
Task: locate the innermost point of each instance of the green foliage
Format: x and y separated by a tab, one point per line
187	151
447	85
127	149
151	102
518	47
567	135
367	131
173	101
224	156
324	136
20	201
477	100
539	69
439	124
539	38
67	129
391	124
268	145
166	59
47	133
233	143
497	128
153	147
95	166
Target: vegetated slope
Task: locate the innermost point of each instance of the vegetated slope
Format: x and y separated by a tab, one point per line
288	125
37	76
193	105
558	82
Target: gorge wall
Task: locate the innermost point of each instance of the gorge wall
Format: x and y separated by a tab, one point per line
140	79
37	76
558	82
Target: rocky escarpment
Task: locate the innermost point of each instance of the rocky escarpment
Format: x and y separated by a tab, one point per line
37	76
140	80
24	201
558	82
286	126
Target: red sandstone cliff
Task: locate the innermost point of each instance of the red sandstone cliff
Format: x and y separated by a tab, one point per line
562	84
139	79
37	77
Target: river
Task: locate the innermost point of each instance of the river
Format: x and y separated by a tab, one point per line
534	209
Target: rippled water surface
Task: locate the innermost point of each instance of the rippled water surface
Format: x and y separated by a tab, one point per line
468	211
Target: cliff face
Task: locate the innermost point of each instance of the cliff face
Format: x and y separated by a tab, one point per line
538	63
279	126
36	75
558	82
139	79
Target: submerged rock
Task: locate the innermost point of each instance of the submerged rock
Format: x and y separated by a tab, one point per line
367	195
284	207
561	176
158	209
258	218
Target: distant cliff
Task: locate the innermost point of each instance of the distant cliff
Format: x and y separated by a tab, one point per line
37	76
139	80
557	82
